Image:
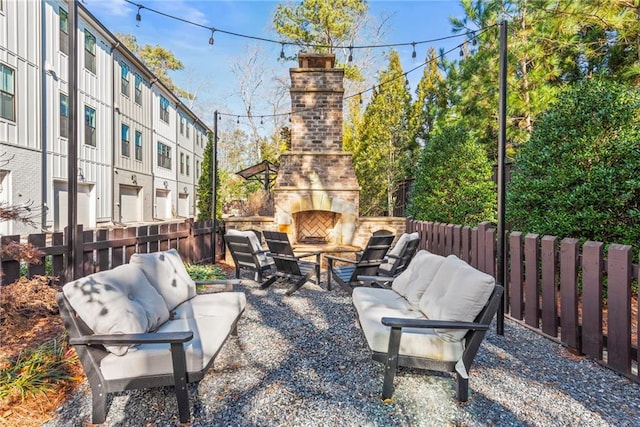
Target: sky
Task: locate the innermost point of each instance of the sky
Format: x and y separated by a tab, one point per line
207	69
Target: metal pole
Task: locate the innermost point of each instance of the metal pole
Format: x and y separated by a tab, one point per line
72	152
502	143
214	167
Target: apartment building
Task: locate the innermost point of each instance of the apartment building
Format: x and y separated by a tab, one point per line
132	130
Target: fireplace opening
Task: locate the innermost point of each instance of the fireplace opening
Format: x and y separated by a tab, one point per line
315	227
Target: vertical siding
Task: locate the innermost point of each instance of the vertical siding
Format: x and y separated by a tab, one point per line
20	139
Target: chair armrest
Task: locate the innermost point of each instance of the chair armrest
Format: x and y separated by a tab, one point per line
381	281
393	256
308	254
335	258
397	322
122	339
218	285
262	251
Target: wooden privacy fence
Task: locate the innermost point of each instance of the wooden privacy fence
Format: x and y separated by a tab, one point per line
105	249
570	293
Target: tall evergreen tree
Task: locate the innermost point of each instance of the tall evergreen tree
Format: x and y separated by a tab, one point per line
453	182
384	144
205	184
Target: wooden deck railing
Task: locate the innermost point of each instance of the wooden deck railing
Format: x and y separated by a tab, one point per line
557	287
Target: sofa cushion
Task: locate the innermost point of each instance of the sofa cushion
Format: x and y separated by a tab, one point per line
458	292
364	298
167	274
215	304
419	274
209	334
263	259
413	342
117	301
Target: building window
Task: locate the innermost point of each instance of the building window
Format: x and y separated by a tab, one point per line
164	109
138	89
164	155
197	169
89	126
64	31
138	145
124	79
125	140
188	167
7	93
187	130
89	51
181	163
64	115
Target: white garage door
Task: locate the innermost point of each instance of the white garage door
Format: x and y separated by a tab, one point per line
163	204
129	204
85	206
183	204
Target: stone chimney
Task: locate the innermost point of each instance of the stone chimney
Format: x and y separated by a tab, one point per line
316	192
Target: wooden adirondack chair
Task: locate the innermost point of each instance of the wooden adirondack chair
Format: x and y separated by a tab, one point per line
399	256
288	265
367	264
248	254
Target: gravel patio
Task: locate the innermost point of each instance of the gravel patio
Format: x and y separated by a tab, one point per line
302	361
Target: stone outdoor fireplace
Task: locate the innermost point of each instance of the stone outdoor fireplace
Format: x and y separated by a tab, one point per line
316	192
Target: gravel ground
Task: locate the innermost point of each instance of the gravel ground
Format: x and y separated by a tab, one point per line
302	361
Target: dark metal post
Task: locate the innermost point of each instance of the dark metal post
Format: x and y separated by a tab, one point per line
72	152
502	143
214	167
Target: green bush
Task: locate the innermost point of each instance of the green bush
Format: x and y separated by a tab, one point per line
204	272
453	181
579	175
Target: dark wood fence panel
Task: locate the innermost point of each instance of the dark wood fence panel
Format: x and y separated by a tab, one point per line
154	245
592	299
39	241
10	268
143	241
466	244
531	270
619	308
103	255
88	256
557	287
456	247
570	331
549	286
516	283
117	251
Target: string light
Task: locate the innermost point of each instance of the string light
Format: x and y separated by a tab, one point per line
310	45
211	38
350	54
442	55
138	16
413	54
282	51
238	121
461	52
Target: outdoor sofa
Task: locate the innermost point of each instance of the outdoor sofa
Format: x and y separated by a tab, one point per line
434	316
144	325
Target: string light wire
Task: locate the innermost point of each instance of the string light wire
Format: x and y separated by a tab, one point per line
404	75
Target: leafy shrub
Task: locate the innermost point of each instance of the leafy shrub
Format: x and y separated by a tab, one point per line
204	272
579	175
453	182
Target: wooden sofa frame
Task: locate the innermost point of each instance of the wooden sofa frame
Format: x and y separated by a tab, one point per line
477	331
90	350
